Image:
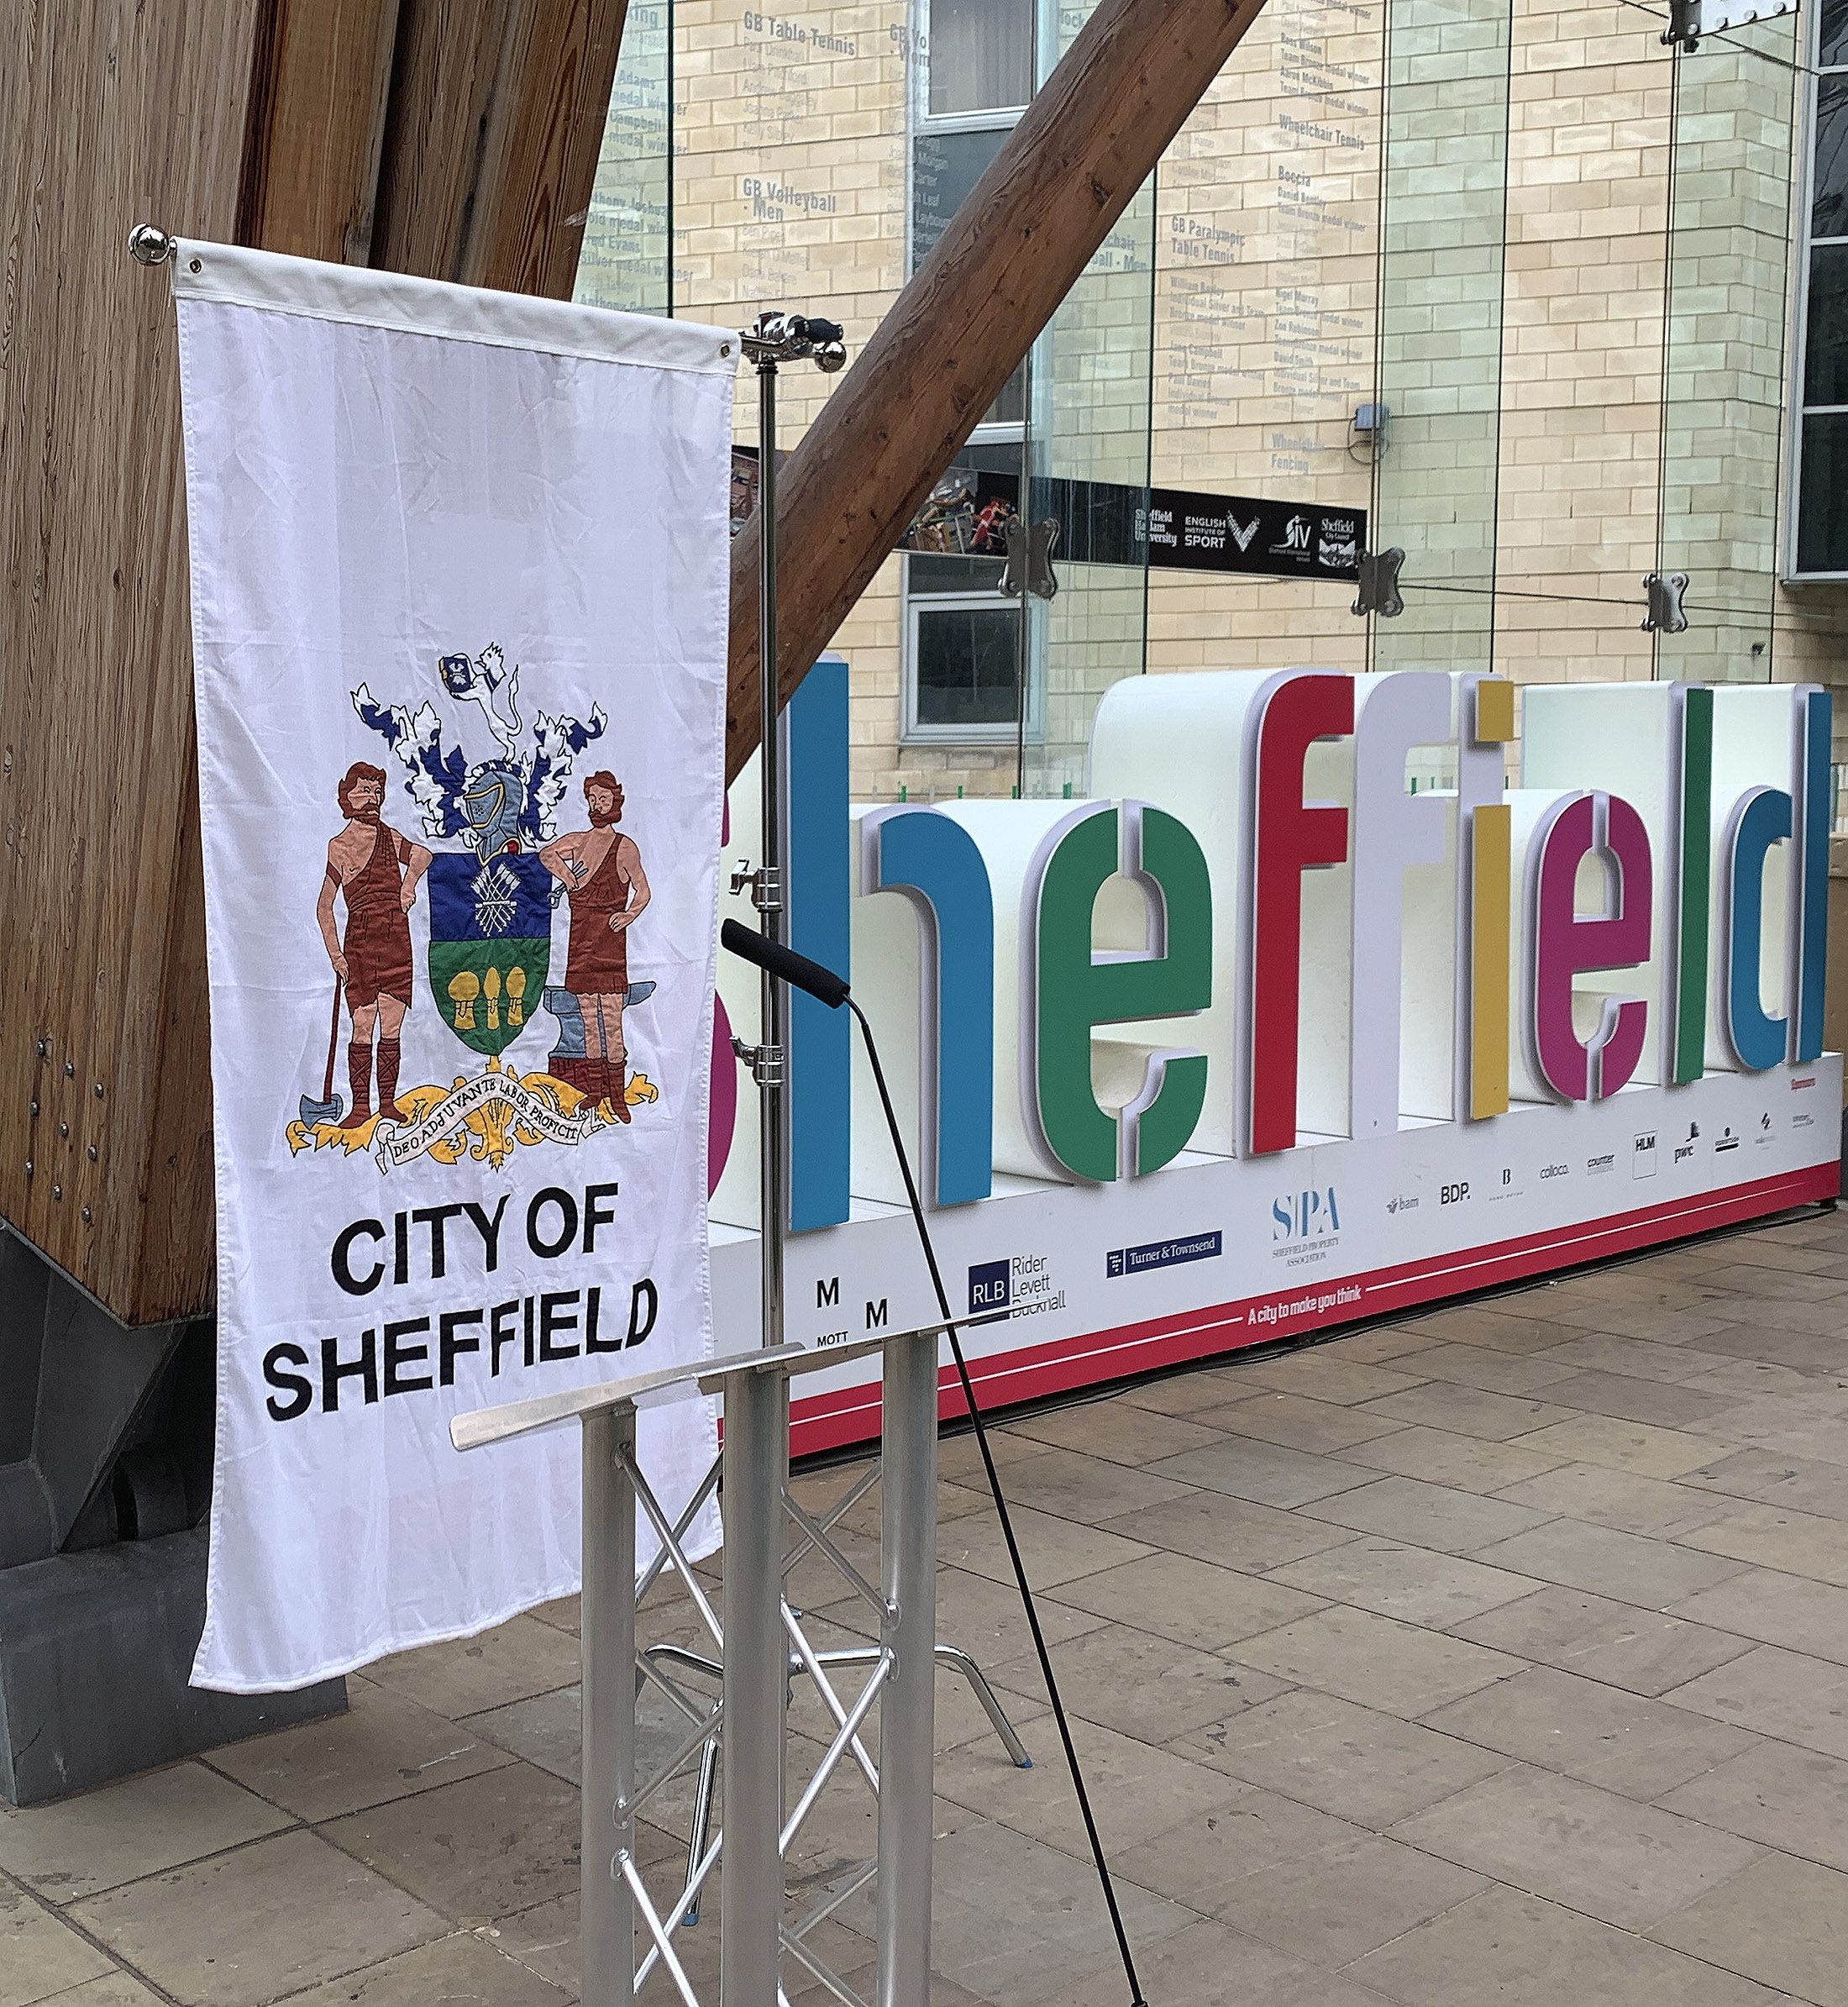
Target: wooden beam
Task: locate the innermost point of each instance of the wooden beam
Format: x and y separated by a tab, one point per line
111	112
258	121
320	78
1010	253
492	139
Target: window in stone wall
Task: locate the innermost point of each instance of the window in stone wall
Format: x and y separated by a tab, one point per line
1822	447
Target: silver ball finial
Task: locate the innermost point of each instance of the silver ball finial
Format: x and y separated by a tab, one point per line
150	245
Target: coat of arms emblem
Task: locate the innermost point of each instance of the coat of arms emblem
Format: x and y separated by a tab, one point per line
496	872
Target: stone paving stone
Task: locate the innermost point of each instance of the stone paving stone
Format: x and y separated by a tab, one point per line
1709	1328
1460	1462
244	1927
1492	1372
1372	1768
129	1830
1616	1642
1375	1662
1191	1602
1802	1351
1320	1427
40	1955
1600	1734
1187	1392
1748	1379
511	1662
1391	1579
1650	1506
1792	1799
1468	1411
1137	1791
1518	1324
382	1746
1054	1550
1207	1965
1262	1474
475	1850
462	1971
984	1618
1517	1951
1321	1373
1149	1686
1625	1398
1118	1431
1782	1922
1337	1905
1759	1280
1651	1574
1627	1864
1088	1489
1017	1920
1795	1543
113	1989
1428	1515
546	1939
1618	1445
1384	1344
1229	1531
1641	1358
1795	1482
959	1456
1775	1693
1778	1609
1243	1829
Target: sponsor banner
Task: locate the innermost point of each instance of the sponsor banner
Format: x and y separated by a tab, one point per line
1169	529
1064	1292
459	593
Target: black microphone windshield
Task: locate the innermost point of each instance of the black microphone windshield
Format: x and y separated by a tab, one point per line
796	970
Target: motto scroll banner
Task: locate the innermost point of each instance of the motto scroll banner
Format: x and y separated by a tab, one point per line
460	567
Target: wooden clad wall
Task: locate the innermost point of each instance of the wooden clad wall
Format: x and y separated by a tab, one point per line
307	126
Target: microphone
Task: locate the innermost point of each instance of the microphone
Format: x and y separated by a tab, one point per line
786	963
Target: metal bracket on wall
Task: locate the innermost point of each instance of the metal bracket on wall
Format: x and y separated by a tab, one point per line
1683	29
1665	615
1030	558
1379	590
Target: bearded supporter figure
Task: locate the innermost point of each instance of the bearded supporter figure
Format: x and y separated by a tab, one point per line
376	870
601	870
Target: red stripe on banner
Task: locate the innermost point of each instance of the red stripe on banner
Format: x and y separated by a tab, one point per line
851	1415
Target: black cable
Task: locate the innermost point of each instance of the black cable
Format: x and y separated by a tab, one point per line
829	989
1002	1511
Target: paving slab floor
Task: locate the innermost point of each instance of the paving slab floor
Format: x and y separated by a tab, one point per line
1497	1655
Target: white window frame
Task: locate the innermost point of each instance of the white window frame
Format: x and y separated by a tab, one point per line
916	732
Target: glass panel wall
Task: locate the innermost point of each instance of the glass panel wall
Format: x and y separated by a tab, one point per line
1437	438
1724	361
627	261
1265	288
1091	375
1502	282
1821	483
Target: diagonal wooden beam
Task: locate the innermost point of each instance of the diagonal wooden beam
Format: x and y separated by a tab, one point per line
1011	252
491	141
320	73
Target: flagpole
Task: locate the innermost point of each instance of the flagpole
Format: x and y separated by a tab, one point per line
757	1412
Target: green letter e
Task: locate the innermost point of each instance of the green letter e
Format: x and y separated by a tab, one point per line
1068	989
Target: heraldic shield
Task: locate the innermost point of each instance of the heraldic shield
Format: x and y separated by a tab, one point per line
490	944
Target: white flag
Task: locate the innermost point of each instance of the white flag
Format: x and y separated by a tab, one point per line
459	566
